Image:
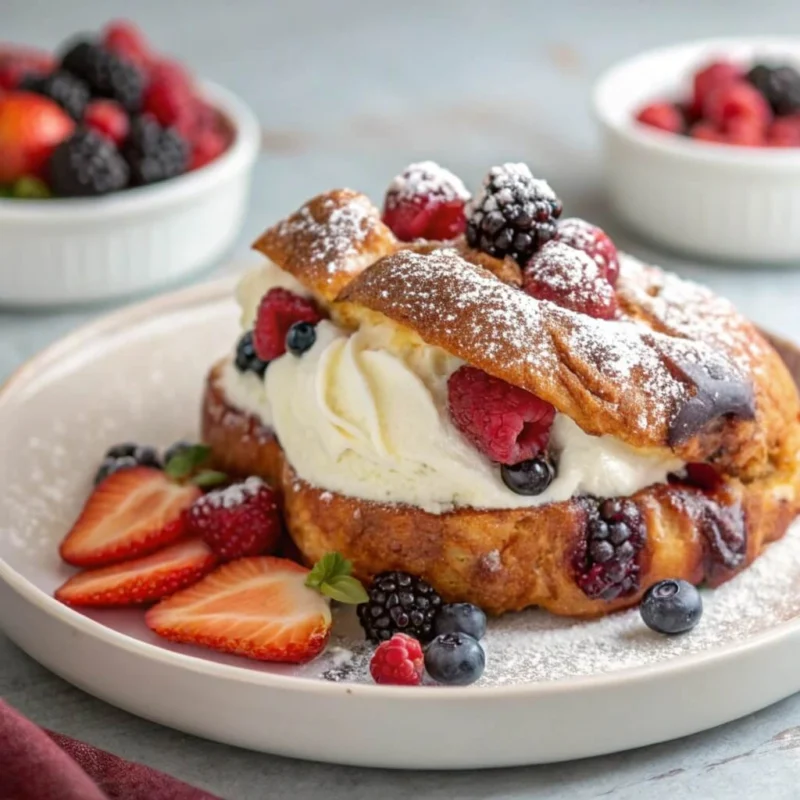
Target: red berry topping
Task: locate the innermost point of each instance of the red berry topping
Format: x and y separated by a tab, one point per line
127	41
506	423
707	132
736	101
109	119
719	73
594	241
170	99
398	661
241	520
279	310
572	279
425	201
664	116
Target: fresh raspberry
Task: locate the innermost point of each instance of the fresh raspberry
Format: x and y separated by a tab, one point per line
278	311
572	279
240	520
593	241
127	41
745	132
784	132
18	62
207	145
736	101
399	661
171	71
664	116
506	423
171	101
716	74
425	201
109	119
708	132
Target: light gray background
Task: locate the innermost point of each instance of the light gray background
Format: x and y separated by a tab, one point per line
348	92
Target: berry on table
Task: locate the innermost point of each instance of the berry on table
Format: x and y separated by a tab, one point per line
87	165
398	662
671	606
109	119
664	116
278	311
571	279
301	337
593	241
514	214
532	477
246	359
71	93
425	201
455	659
780	86
106	74
461	618
504	422
154	153
399	603
240	520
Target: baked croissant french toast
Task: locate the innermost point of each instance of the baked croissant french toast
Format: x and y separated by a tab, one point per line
491	398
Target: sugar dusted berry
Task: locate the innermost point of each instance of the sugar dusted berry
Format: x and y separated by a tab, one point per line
240	520
593	241
278	311
399	661
505	423
664	116
425	201
513	215
571	279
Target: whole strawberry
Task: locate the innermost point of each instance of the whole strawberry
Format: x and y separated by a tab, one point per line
240	520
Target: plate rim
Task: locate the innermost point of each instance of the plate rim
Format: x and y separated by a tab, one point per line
218	290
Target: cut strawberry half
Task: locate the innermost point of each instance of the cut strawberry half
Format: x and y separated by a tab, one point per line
254	607
142	580
131	513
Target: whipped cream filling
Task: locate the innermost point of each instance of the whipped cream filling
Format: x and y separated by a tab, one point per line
366	415
246	391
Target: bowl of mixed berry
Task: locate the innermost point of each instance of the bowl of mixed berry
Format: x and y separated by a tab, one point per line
702	147
119	170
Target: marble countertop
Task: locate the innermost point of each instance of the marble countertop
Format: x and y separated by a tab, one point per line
348	93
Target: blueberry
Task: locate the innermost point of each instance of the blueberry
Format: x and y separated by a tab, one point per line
147	457
301	337
528	477
671	606
110	465
455	659
461	618
246	358
119	450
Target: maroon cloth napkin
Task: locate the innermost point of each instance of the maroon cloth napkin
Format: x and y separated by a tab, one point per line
39	765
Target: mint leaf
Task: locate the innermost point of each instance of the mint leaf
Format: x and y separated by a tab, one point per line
345	589
208	478
185	462
331	577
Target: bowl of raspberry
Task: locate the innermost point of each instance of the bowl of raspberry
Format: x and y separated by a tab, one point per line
702	147
119	172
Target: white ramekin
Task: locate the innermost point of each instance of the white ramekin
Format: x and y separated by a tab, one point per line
57	252
711	200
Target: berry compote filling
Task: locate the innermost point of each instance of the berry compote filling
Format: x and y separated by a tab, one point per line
607	563
725	533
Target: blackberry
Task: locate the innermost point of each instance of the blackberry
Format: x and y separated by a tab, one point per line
399	603
514	214
71	93
607	563
126	456
780	86
86	165
246	358
106	74
154	153
528	477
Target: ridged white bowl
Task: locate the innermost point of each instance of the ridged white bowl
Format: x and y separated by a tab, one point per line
57	252
715	201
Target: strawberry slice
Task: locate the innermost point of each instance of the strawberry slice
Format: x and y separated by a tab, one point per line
129	514
143	580
256	607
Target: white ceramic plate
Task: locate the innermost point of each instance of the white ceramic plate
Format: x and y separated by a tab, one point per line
553	689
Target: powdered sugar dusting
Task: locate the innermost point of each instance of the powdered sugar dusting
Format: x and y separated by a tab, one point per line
423	179
234	495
